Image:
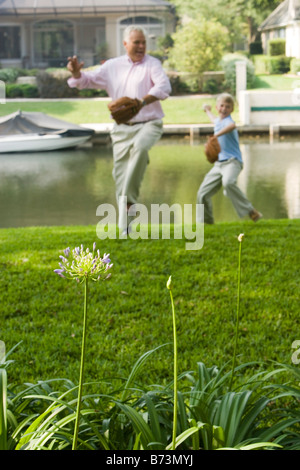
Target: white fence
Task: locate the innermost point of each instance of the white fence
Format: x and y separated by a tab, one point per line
270	107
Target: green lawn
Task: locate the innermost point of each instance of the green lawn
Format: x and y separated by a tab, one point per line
178	110
275	82
131	313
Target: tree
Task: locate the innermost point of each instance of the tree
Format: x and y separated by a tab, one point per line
241	17
254	12
198	46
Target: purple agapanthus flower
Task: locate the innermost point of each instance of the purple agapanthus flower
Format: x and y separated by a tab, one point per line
80	264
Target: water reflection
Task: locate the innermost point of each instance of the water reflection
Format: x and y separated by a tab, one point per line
272	175
66	187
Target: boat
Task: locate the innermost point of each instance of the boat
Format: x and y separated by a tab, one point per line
35	132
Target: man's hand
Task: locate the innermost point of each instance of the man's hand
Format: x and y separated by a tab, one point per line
74	66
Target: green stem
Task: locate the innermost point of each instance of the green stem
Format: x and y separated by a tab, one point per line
75	437
175	374
237	315
3	410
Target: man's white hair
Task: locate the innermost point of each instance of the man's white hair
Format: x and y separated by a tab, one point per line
131	28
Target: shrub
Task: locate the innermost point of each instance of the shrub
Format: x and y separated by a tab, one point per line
271	64
54	84
30	91
9	75
192	82
197	46
279	64
179	86
295	65
276	47
90	93
256	47
212	86
13	91
158	54
228	65
165	43
260	63
25	90
29	72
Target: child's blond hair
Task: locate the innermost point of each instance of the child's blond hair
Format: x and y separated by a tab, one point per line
227	98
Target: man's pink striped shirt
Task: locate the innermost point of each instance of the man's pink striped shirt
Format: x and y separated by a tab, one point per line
122	77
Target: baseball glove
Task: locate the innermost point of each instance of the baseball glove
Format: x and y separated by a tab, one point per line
124	109
212	149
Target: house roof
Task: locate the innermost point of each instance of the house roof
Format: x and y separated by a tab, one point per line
287	11
54	7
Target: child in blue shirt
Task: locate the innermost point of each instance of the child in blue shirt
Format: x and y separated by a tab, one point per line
228	166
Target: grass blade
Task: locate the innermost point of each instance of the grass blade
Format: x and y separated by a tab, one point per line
135	370
140	426
3	404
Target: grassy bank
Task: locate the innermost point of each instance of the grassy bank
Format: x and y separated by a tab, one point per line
130	314
177	110
275	82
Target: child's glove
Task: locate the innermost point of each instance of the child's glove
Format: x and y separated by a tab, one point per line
212	149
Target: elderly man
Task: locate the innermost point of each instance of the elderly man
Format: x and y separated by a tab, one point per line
134	75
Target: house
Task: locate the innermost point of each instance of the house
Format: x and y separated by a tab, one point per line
43	33
283	22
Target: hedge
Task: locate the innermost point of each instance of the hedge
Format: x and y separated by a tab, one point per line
14	90
276	47
295	66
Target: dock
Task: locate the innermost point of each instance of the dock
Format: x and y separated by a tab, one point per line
196	131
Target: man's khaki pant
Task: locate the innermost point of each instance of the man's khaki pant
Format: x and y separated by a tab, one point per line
223	174
131	144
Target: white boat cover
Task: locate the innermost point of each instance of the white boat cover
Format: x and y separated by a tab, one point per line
23	122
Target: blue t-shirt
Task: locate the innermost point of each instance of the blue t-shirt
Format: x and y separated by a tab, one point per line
229	143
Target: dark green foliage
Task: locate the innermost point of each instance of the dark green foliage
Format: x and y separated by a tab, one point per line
279	64
91	93
15	90
212	87
54	84
228	64
10	75
276	47
295	66
255	47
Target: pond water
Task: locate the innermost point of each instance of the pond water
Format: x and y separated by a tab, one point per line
66	187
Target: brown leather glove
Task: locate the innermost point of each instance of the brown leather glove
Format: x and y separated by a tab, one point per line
212	149
124	109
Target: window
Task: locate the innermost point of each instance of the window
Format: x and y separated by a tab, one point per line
53	42
10	42
280	33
